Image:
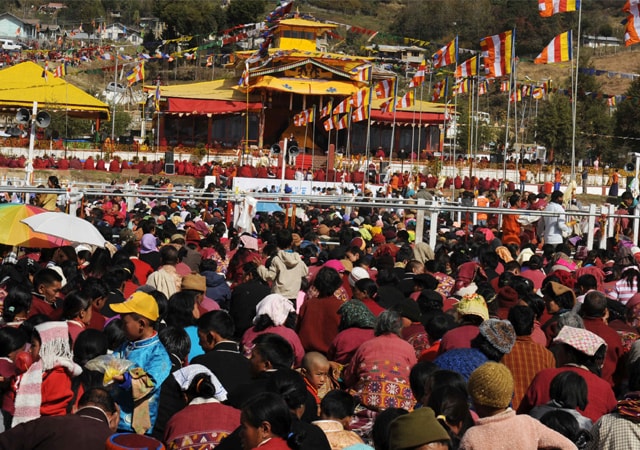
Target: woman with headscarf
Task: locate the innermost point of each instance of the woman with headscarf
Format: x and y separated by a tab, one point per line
274	314
205	420
356	326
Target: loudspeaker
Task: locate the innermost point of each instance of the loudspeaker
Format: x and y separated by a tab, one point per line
43	119
168	158
630	167
169	168
293	151
22	116
275	149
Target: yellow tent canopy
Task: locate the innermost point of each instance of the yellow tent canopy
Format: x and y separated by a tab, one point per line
24	83
306	86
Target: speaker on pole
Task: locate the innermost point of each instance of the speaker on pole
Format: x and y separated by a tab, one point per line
169	166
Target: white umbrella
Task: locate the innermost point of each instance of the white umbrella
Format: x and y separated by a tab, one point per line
61	225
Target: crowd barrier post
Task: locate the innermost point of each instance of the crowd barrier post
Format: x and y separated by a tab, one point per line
591	221
419	221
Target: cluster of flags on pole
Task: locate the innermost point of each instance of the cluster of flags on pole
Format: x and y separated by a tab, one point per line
136	74
303	118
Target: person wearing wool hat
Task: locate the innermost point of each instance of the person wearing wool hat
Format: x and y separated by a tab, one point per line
498	427
417	429
470	312
495	339
583	352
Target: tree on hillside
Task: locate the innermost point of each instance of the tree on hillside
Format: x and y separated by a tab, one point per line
192	18
628	119
593	122
553	126
81	12
245	11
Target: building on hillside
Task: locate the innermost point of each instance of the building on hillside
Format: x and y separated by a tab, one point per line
411	56
291	77
12	26
600	41
118	32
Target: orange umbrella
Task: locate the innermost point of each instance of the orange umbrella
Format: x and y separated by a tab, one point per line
14	232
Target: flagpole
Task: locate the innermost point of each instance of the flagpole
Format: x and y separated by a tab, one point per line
506	133
306	129
367	143
420	121
393	125
515	112
575	98
470	128
313	140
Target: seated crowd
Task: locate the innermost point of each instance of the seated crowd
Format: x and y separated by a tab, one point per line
336	332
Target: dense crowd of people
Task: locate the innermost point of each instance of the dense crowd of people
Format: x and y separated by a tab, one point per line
337	331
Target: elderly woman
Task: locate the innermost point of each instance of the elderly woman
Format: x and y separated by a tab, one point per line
379	370
356	327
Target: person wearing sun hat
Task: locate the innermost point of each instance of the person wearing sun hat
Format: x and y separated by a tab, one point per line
583	352
498	427
137	391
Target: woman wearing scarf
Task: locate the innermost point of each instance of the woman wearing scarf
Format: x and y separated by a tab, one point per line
274	314
356	326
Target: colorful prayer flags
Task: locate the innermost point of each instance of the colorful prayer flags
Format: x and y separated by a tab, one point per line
497	51
559	50
419	76
548	8
447	55
384	88
136	74
406	101
469	68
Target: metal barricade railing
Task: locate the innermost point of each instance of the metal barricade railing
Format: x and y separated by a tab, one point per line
427	213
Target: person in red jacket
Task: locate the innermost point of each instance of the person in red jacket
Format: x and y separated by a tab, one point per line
50	375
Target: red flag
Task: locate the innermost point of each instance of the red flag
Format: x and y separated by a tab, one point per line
406	101
419	76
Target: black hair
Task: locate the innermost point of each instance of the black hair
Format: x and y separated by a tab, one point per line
567	425
284	238
180	312
99	397
176	341
263	321
430	301
418	376
405	253
444	378
18	300
169	255
327	281
115	334
275	349
74	303
163	304
114	278
337	404
570	390
382	427
268	407
94	288
367	286
201	386
219	321
482	343
451	403
46	277
437	324
290	385
587	282
88	345
11	339
522	318
594	305
634	375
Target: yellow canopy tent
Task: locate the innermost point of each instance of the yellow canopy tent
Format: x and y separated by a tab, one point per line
24	83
